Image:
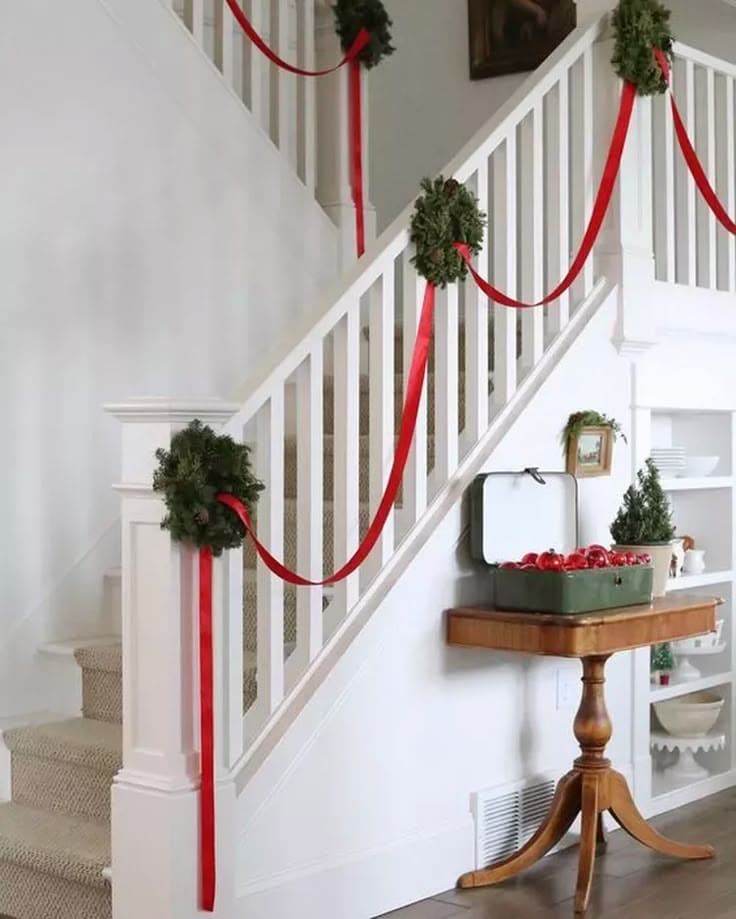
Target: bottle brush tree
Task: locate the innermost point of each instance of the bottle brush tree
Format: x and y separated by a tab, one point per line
645	518
662	658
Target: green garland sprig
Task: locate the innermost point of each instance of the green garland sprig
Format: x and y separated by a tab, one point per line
200	465
353	15
589	419
446	213
641	26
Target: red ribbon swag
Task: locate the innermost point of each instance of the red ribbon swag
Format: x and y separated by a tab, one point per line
351	58
691	157
415	385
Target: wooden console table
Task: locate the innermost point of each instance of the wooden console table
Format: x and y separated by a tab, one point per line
592	786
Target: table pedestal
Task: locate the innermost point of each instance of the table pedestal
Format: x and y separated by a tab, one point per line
590	788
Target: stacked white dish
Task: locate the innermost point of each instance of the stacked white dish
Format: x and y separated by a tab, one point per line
670	461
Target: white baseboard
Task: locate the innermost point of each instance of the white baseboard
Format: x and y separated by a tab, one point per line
368	884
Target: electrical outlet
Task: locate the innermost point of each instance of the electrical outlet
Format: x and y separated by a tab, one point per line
568	688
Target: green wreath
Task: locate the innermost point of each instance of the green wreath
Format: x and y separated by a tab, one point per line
199	466
446	213
640	27
353	15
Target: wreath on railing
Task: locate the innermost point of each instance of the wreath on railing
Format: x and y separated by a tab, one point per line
353	15
200	465
447	213
640	27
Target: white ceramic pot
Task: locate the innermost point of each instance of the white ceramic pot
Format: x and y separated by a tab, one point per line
661	559
694	561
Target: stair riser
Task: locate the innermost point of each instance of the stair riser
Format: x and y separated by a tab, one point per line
102	695
61	787
27	894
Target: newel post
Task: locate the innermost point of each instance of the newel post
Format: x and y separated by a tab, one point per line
333	139
626	249
155	816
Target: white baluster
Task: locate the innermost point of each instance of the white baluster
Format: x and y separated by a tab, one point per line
582	165
310	506
381	428
346	339
712	250
415	476
307	99
446	384
669	194
194	19
476	330
269	588
228	644
558	199
224	41
255	67
692	254
504	262
283	84
588	162
533	225
731	174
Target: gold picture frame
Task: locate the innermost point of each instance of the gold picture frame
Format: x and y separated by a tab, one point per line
591	452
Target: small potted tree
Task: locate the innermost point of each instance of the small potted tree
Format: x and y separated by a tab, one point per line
644	524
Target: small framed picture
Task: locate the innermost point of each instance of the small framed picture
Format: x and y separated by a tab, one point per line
589	454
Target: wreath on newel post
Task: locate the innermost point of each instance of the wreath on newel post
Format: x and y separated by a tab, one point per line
641	27
446	213
200	467
352	16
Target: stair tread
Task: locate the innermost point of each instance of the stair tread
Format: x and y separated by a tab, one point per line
67	847
69	647
107	657
79	741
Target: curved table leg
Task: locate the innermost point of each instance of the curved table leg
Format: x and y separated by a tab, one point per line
601	835
627	815
588	837
564	809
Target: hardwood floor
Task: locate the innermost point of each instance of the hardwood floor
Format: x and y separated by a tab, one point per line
630	882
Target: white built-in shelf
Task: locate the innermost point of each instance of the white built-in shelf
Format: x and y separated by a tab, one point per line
702	484
661	693
664	786
688	581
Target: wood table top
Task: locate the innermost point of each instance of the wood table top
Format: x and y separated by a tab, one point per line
669	618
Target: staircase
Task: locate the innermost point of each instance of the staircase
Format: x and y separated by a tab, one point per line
55	832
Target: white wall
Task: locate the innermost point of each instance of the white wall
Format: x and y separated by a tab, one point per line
364	806
424	106
151	243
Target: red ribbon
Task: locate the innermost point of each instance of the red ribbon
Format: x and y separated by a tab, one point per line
352	57
600	207
206	723
356	133
414	387
691	157
361	40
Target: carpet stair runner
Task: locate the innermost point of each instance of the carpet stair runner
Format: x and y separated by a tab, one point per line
55	832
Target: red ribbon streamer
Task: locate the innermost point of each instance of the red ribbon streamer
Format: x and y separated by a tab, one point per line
361	40
414	387
356	133
206	722
600	207
691	157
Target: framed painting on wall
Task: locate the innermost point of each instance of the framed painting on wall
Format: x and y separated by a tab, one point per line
590	452
508	36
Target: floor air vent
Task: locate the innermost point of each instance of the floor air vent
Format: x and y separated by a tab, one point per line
509	815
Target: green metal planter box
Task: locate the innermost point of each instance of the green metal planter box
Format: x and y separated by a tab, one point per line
570	592
512	513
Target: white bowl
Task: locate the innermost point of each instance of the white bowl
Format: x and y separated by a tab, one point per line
692	715
698	467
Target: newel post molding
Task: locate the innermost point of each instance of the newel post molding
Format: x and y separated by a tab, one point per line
155	813
333	139
626	248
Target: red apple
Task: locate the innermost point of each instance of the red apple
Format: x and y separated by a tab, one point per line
528	568
510	566
550	561
618	559
632	558
530	558
645	558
